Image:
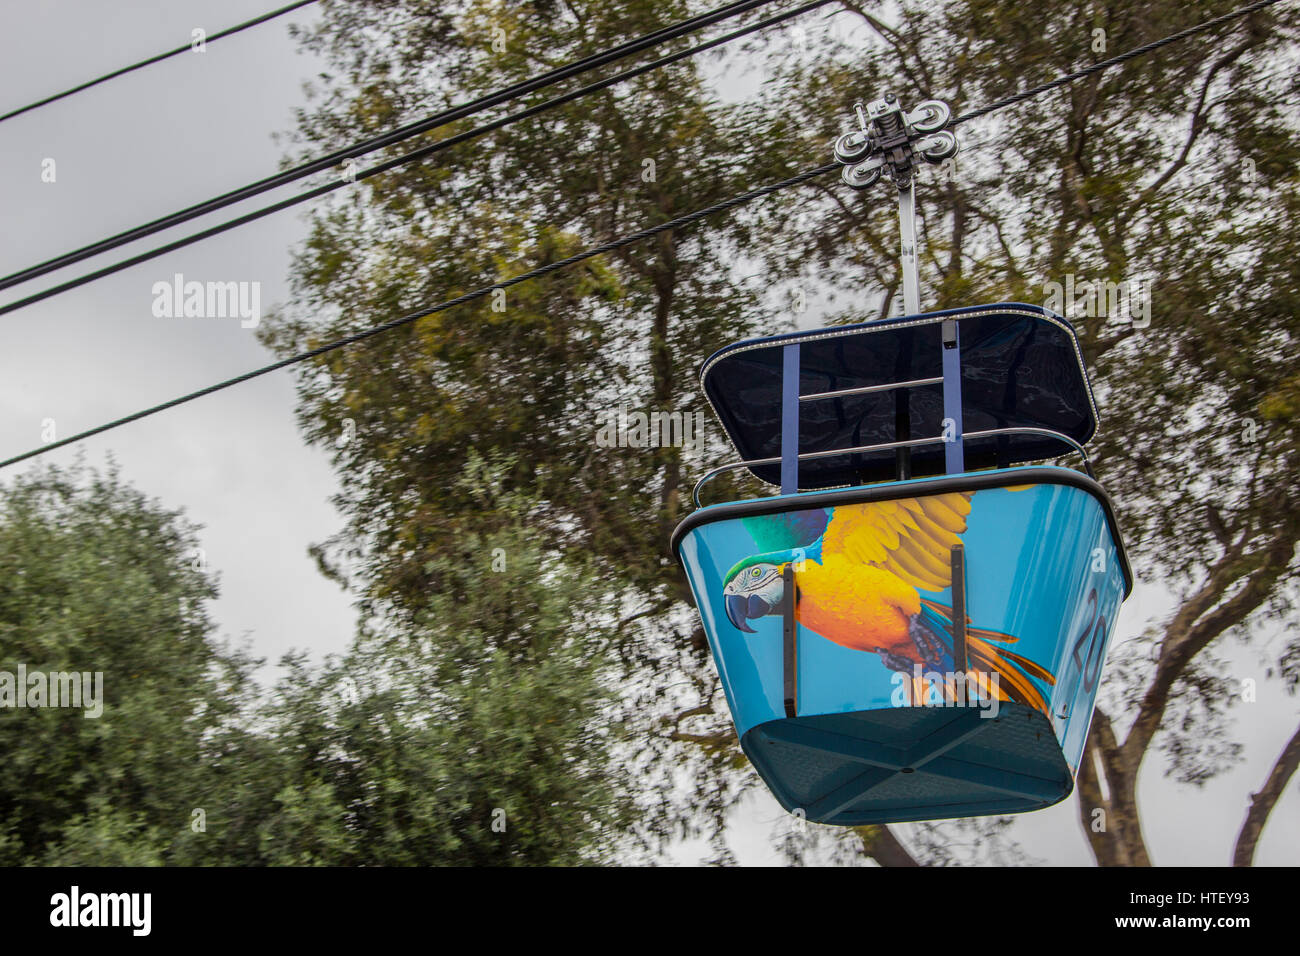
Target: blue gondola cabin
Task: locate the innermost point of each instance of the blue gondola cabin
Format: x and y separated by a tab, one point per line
914	627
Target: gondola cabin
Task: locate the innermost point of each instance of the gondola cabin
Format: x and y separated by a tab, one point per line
914	628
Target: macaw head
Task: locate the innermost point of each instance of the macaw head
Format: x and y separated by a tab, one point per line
754	588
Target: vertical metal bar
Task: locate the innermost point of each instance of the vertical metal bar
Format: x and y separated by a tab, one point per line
954	456
903	431
789	652
907	230
903	404
790	419
959	613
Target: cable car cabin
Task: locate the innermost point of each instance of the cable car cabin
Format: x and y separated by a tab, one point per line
914	628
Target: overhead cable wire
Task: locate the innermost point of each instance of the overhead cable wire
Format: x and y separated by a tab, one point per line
441	118
414	155
601	249
479	293
229	31
1036	91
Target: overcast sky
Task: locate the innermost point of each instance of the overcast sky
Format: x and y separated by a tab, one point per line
125	152
200	124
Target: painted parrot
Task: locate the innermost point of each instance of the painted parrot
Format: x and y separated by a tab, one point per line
864	568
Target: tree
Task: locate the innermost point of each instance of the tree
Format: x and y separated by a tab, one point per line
535	374
1132	174
1179	170
97	579
479	733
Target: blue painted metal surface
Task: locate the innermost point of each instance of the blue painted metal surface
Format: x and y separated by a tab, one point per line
877	737
790	419
954	458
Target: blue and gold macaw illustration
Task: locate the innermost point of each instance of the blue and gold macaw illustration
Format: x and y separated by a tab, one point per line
860	573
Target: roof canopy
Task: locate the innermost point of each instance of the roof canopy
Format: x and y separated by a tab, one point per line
1020	367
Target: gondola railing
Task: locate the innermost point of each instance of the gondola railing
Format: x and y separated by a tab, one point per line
886	446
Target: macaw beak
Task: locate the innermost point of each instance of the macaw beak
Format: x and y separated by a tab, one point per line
736	606
740	609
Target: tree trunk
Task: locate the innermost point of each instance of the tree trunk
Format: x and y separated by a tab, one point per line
1106	849
881	845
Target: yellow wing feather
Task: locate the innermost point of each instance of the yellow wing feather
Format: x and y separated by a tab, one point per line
911	538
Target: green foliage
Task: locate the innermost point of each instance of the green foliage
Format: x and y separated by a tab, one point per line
570	695
1131	174
491	705
106	837
94	577
478	733
629	328
536	380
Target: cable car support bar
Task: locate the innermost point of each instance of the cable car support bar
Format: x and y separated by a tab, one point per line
891	141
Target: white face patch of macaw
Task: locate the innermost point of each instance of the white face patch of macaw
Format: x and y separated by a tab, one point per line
754	592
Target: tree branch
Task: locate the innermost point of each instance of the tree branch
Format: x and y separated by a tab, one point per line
892	37
1194	131
1203	618
1262	803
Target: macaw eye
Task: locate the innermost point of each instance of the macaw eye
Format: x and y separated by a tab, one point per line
756	572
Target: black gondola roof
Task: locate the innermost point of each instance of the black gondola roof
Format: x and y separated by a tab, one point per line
1021	367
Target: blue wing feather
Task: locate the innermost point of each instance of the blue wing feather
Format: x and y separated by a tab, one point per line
790	529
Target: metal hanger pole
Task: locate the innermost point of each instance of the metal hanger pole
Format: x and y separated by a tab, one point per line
907	230
892	141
